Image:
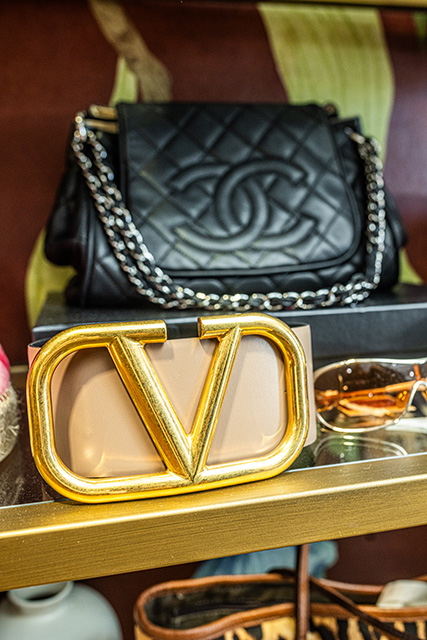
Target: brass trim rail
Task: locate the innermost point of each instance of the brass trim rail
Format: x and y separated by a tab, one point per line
63	540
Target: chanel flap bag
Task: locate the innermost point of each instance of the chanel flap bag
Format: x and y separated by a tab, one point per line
223	207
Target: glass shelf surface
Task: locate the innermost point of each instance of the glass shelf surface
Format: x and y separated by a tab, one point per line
21	483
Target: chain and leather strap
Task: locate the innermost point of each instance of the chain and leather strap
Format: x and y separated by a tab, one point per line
152	283
334	592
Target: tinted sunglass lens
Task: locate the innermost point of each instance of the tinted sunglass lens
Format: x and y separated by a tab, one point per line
358	396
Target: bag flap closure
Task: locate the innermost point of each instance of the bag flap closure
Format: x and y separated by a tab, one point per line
224	188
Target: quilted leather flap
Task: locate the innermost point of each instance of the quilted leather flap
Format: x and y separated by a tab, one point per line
221	188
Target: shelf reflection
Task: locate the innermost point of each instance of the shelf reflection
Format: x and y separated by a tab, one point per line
405	438
20	482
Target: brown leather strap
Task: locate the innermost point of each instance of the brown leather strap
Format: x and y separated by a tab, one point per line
360	589
352	588
344	602
302	593
349	605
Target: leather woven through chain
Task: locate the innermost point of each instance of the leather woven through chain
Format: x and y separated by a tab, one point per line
151	282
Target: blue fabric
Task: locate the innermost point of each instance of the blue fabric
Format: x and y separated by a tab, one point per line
322	556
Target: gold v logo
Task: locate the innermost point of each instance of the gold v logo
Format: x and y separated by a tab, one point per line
184	454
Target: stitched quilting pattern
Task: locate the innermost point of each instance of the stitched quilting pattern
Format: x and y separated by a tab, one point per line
229	199
216	188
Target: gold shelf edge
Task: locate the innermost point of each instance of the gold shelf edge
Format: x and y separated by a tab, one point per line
65	541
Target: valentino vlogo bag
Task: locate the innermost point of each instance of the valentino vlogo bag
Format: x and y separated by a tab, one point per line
117	411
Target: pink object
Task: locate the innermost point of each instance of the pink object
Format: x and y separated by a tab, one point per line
4	371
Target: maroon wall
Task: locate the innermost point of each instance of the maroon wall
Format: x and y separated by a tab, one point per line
56	61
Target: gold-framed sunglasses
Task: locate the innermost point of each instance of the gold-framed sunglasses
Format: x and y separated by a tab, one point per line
364	394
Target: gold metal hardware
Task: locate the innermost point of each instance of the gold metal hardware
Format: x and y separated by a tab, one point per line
102	125
102	112
183	454
102	118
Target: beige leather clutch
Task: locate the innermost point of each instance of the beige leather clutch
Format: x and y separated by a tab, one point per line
97	429
117	411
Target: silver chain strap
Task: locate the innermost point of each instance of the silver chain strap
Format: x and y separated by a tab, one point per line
152	283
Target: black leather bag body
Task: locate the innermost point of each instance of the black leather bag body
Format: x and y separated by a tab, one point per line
224	207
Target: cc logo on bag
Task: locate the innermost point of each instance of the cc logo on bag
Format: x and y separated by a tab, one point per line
184	454
255	178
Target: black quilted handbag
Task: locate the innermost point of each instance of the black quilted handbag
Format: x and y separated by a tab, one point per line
223	207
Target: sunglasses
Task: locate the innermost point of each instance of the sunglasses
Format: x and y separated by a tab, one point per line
364	394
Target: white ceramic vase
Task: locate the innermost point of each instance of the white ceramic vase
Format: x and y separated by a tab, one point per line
64	610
